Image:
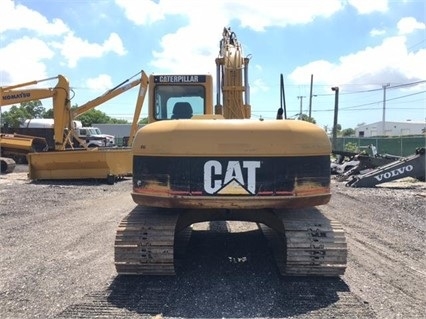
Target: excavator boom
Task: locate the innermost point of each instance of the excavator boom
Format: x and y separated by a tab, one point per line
232	78
12	145
20	93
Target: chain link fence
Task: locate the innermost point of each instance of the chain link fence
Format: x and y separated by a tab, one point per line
397	145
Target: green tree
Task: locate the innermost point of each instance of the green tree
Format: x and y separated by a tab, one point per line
348	132
117	121
306	118
95	116
48	114
26	110
143	121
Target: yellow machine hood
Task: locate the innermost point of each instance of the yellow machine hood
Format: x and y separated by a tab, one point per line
211	137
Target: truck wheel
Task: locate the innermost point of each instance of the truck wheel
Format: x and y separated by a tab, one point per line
110	179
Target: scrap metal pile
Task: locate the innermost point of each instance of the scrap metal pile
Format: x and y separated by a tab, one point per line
363	170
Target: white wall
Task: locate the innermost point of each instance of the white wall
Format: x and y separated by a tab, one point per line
391	129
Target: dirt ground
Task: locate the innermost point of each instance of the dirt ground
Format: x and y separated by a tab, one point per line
56	260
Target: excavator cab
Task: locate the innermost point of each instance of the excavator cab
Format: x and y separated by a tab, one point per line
173	97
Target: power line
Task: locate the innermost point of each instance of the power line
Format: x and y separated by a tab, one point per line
416	44
377	89
389	99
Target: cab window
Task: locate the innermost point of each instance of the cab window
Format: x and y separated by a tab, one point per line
179	101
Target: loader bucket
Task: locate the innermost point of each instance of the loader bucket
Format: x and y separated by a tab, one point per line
22	144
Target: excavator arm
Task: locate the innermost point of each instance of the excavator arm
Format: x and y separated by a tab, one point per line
110	94
232	78
12	94
411	166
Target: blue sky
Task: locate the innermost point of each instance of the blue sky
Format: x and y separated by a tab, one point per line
358	45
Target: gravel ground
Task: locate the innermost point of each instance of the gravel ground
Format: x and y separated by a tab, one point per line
56	259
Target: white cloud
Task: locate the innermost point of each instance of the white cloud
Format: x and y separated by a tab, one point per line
32	63
377	32
114	44
43	40
278	13
102	82
249	13
16	17
389	62
369	6
141	12
258	85
409	24
74	48
197	53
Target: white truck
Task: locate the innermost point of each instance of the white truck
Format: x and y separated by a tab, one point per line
94	137
44	127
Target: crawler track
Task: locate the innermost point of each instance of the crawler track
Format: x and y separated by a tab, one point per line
144	243
7	165
315	245
311	244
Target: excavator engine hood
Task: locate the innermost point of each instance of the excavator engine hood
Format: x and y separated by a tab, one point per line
231	164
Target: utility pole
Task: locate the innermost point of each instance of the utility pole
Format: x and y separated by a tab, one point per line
301	109
336	109
384	109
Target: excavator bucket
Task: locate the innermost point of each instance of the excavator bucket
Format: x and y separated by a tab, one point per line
107	164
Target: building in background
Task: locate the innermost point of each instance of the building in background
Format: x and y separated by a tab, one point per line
391	129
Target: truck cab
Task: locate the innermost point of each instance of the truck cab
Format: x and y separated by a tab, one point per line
94	137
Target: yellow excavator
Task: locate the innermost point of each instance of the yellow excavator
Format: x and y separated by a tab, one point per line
61	102
65	162
14	144
192	165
